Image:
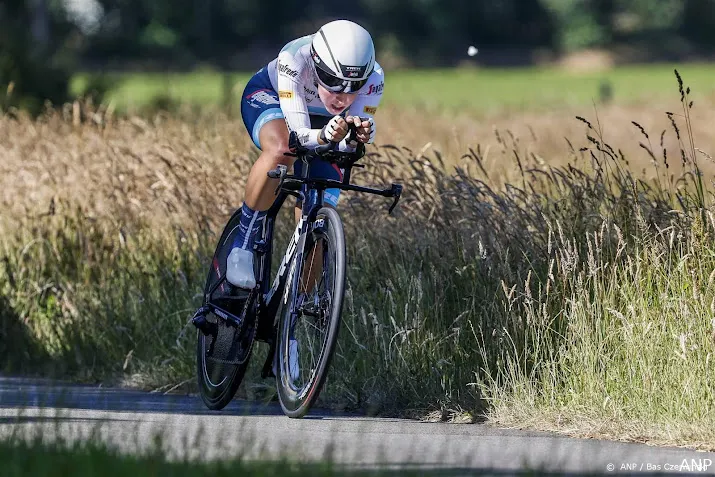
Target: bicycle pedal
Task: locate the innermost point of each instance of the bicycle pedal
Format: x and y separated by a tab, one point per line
200	315
200	322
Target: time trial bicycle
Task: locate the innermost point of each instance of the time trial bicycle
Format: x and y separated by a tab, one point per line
298	313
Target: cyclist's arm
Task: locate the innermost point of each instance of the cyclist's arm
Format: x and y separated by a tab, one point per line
290	94
367	101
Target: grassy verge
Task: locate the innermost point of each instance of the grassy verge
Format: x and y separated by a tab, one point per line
22	458
576	298
35	458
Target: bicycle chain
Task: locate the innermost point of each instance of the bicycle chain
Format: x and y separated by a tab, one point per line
232	361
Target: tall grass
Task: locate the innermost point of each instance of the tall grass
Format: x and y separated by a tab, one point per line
574	297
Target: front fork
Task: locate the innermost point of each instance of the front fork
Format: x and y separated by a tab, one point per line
267	315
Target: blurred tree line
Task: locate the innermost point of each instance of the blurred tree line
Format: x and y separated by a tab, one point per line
35	53
42	40
422	32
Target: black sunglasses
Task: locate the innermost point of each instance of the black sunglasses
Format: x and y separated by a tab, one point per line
338	85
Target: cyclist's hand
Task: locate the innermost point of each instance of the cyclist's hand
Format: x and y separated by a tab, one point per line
365	129
335	130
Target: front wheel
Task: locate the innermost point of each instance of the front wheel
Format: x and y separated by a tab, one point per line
309	313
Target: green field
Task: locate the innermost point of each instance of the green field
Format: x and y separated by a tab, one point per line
464	89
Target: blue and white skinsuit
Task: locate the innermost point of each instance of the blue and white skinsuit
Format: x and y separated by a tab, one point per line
287	88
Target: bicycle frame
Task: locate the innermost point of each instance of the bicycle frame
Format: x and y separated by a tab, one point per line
269	298
253	314
266	295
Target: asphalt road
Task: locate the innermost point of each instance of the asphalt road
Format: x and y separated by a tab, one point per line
131	420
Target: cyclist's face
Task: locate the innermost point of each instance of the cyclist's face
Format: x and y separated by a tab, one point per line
336	103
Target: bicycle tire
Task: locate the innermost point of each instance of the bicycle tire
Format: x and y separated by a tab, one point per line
222	356
295	400
219	374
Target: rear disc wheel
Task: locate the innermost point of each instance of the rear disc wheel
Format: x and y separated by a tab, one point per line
222	357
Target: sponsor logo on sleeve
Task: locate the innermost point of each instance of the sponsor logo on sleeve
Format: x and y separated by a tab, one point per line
285	94
285	70
376	88
370	109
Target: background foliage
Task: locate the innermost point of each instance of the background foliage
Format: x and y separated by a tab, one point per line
41	41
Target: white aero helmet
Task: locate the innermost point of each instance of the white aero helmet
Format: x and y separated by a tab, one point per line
343	56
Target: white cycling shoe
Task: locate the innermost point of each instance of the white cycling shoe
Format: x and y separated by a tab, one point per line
239	268
293	366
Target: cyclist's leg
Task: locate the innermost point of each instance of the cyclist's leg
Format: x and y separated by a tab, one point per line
260	189
265	123
323	170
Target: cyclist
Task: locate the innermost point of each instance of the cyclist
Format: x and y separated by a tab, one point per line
317	86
